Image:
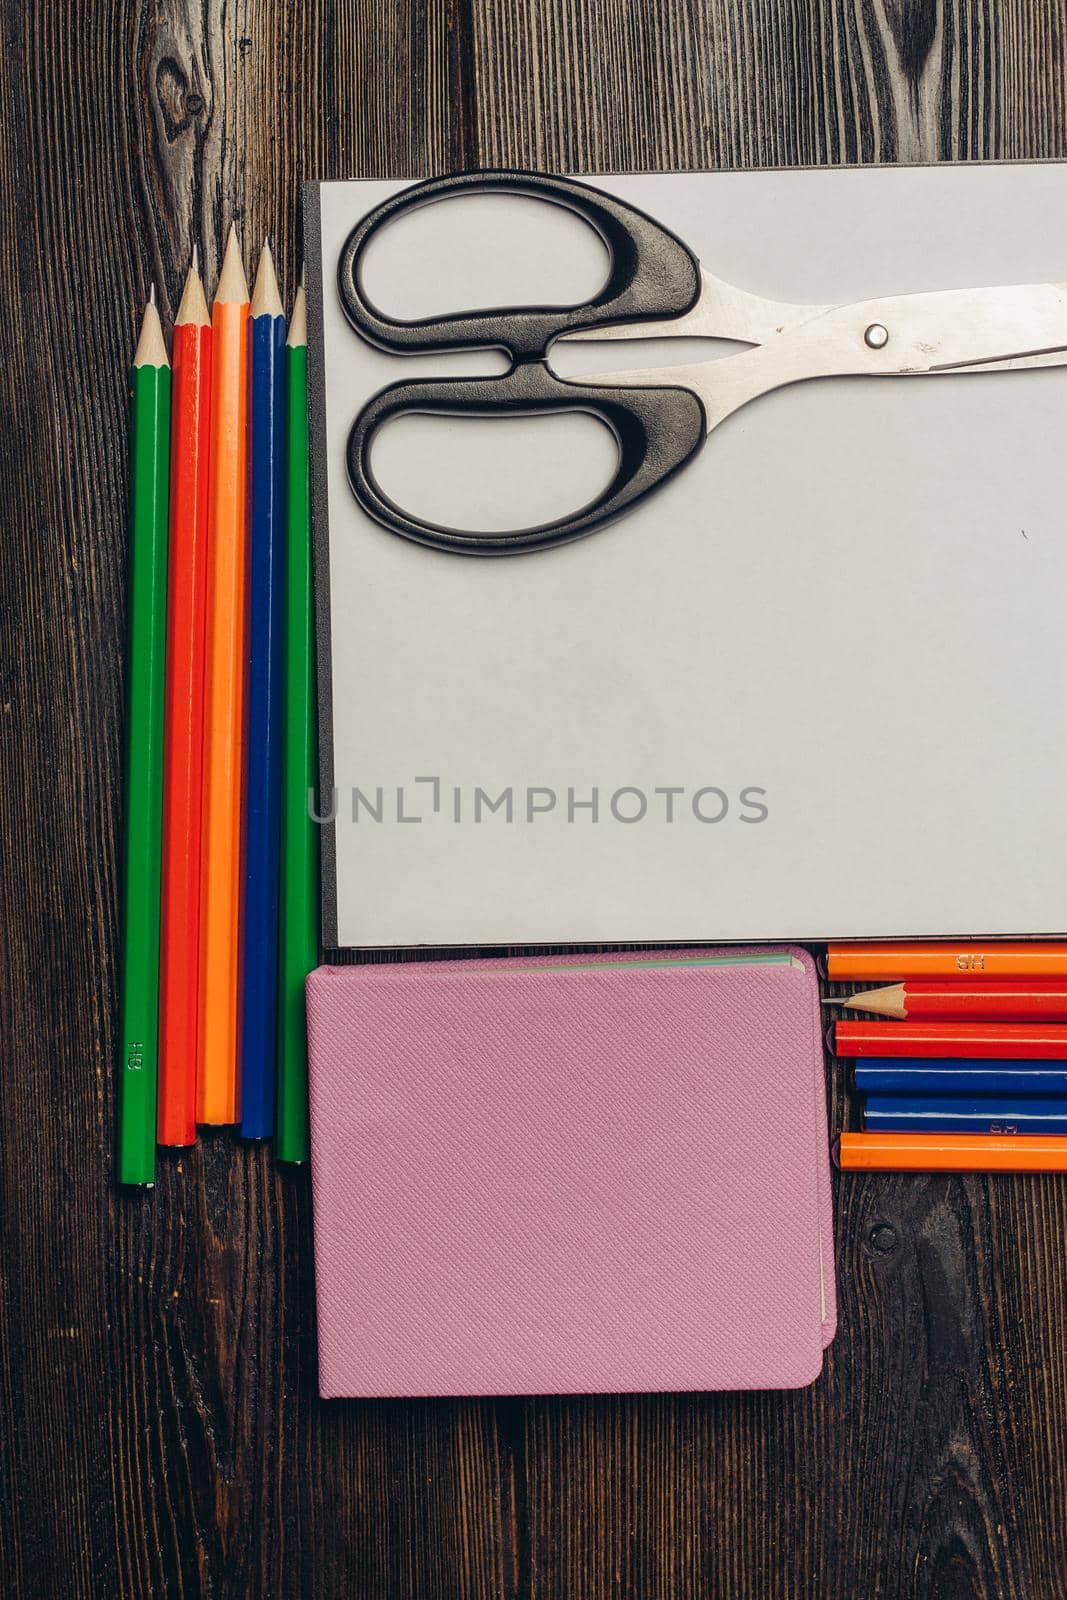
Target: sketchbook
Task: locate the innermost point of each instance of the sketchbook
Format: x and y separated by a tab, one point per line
570	1174
814	687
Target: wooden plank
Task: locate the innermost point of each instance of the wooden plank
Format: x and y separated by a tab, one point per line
729	83
159	1427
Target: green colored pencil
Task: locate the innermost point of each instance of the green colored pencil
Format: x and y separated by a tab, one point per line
149	470
300	845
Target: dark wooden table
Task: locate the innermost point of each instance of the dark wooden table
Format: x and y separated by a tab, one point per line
160	1432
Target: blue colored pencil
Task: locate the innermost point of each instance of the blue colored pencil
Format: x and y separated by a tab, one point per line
266	621
899	1114
1007	1079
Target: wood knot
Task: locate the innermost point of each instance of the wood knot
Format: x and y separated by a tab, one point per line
179	100
882	1239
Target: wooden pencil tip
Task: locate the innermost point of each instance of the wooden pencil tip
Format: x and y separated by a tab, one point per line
890	1001
266	297
151	346
298	322
193	308
233	285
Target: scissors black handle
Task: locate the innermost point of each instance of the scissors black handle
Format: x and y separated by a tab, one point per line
652	277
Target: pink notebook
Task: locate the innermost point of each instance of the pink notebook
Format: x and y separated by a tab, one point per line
570	1174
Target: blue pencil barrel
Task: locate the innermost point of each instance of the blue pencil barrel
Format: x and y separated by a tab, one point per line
962	1114
263	743
1006	1079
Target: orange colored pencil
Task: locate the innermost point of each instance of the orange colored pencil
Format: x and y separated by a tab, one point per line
978	1001
952	1152
960	958
216	1097
965	1041
183	799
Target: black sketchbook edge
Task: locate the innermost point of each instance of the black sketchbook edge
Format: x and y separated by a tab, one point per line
320	544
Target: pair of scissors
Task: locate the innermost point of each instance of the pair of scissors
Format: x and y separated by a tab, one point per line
656	288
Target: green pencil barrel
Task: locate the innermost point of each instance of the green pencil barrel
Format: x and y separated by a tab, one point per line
149	467
300	845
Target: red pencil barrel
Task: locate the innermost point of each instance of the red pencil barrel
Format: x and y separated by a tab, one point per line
991	1002
975	1041
184	737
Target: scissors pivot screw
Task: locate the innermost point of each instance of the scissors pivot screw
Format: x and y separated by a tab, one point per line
877	336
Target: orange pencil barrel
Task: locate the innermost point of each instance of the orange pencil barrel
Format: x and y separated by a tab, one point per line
960	958
952	1152
225	704
183	796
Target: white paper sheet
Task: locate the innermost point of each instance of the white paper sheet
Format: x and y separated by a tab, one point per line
854	601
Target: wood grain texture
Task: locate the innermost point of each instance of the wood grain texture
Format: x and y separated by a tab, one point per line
159	1428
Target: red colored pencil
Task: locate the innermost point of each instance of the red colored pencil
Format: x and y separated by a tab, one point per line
1036	1001
968	1041
183	798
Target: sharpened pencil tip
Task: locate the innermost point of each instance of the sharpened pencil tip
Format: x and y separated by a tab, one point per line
298	322
151	346
152	295
266	296
196	259
193	308
233	285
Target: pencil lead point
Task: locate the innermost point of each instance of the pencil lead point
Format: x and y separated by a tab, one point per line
196	259
152	295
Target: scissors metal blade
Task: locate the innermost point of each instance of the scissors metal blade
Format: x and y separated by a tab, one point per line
1024	361
953	331
721	312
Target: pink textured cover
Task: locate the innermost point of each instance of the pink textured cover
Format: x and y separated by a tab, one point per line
596	1179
